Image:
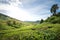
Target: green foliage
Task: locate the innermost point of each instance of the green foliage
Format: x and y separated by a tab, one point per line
6	21
12	29
58	14
41	32
53	19
41	21
54	8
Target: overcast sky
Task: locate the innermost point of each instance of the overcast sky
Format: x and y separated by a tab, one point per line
27	10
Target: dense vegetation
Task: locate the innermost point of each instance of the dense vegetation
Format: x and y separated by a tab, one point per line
13	29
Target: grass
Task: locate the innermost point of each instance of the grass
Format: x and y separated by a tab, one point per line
32	32
11	29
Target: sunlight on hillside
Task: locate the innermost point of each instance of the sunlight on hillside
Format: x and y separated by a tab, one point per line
29	20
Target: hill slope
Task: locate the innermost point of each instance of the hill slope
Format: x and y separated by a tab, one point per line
7	22
44	31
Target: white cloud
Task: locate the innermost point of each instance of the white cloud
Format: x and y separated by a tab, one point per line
16	12
32	13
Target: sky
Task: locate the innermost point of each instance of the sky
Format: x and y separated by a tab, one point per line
27	10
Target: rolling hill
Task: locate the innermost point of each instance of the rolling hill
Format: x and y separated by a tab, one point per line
7	22
13	29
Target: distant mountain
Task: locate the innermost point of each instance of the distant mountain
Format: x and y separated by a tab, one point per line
33	22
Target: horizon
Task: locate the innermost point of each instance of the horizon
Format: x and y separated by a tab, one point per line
27	10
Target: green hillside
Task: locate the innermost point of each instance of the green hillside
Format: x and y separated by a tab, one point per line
7	22
54	19
13	29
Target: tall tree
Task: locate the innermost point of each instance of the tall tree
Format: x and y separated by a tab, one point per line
54	8
41	21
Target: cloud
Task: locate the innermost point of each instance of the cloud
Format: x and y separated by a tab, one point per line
10	4
30	10
40	9
4	1
37	7
15	12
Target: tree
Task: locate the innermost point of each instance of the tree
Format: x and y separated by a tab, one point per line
41	21
54	8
